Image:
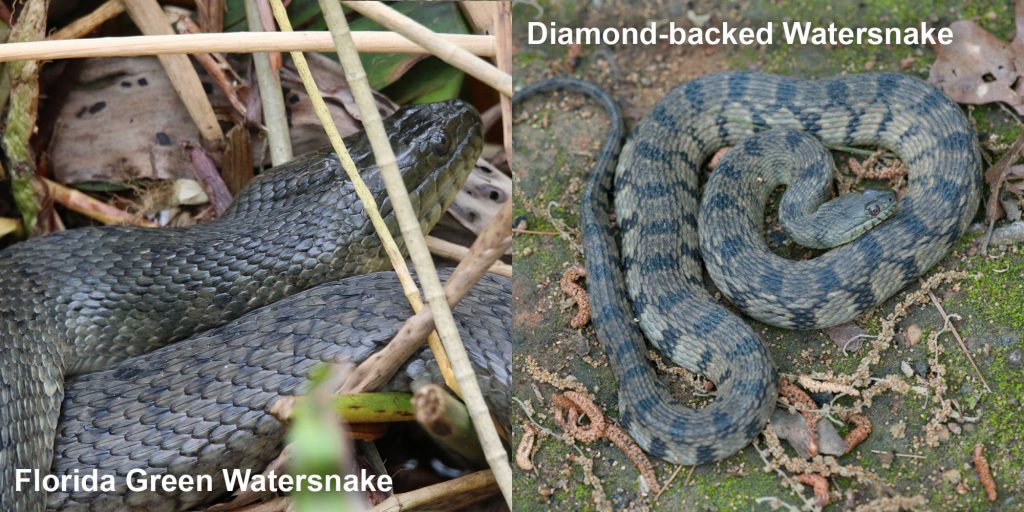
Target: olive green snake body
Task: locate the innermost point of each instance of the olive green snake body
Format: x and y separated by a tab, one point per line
645	280
236	306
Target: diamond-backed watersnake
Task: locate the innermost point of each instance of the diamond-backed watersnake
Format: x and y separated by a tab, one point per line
646	282
82	300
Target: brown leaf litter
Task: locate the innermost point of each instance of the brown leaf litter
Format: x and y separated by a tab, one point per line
979	68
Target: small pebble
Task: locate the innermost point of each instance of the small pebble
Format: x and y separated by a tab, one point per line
1016	358
954	427
913	334
952	476
943	433
907	370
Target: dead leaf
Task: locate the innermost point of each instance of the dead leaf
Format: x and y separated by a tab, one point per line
979	68
848	337
793	429
122	122
481	197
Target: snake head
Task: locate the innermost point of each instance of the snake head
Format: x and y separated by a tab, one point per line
435	142
851	215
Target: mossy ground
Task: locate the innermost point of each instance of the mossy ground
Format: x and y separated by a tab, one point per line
554	145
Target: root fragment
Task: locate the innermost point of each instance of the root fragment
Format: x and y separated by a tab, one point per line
578	293
524	452
820	486
984	472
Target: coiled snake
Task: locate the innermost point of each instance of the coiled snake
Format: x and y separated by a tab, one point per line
101	298
657	277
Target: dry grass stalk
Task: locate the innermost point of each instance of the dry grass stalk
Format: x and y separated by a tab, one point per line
151	20
275	117
413	237
86	24
230	42
454	494
442	49
453	251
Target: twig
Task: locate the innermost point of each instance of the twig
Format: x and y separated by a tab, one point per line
230	42
956	334
532	232
670	480
466	489
904	455
93	208
453	251
151	20
995	176
444	50
208	176
86	24
275	117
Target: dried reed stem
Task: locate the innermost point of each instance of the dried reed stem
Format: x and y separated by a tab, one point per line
232	42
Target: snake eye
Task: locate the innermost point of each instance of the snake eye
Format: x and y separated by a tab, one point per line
874	210
440	144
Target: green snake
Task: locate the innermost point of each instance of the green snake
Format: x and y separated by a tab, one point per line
646	282
236	306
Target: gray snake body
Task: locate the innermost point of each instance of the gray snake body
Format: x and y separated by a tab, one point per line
657	276
83	300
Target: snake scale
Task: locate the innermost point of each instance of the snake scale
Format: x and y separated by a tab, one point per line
236	306
647	282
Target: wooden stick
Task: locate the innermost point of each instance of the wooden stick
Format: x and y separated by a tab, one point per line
233	42
444	50
467	489
409	224
452	251
86	24
151	20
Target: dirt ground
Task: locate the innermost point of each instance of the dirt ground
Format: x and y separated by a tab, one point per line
555	139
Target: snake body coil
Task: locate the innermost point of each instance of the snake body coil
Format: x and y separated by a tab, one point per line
658	277
83	300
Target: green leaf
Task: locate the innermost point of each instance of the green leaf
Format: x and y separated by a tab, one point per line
383	69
